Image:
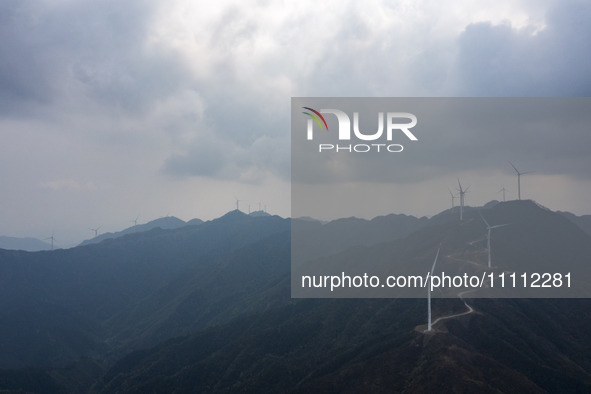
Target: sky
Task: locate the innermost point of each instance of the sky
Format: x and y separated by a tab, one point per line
478	140
112	111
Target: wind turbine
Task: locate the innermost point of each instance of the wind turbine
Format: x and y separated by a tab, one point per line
96	230
238	204
51	238
489	228
135	220
429	294
503	190
462	192
519	174
453	197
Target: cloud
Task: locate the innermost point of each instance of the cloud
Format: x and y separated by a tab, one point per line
175	95
83	55
223	159
500	60
549	135
69	185
209	88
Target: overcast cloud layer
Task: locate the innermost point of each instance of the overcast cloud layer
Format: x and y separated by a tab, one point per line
110	110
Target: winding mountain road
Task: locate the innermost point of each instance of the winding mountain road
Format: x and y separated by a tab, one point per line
470	309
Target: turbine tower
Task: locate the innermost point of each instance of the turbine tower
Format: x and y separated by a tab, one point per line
462	192
489	228
96	230
429	294
519	174
238	204
453	197
503	190
50	238
135	220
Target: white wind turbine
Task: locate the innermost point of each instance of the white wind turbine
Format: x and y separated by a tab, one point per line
453	197
462	192
489	228
503	190
519	174
429	294
96	230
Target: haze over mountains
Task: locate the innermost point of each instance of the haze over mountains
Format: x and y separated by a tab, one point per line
167	223
29	244
207	308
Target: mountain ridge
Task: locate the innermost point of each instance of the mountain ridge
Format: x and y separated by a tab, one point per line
207	308
28	244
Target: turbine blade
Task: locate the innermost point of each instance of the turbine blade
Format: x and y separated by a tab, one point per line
435	262
485	222
500	225
515	168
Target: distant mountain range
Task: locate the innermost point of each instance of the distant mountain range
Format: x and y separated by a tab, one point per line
207	308
165	223
28	244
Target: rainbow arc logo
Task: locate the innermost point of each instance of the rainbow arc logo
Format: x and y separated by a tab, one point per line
316	117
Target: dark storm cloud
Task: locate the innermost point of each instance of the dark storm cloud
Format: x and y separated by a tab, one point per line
549	135
503	61
489	60
244	129
100	54
52	51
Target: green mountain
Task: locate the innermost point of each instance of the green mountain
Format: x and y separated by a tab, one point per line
352	346
379	345
207	308
59	304
165	223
